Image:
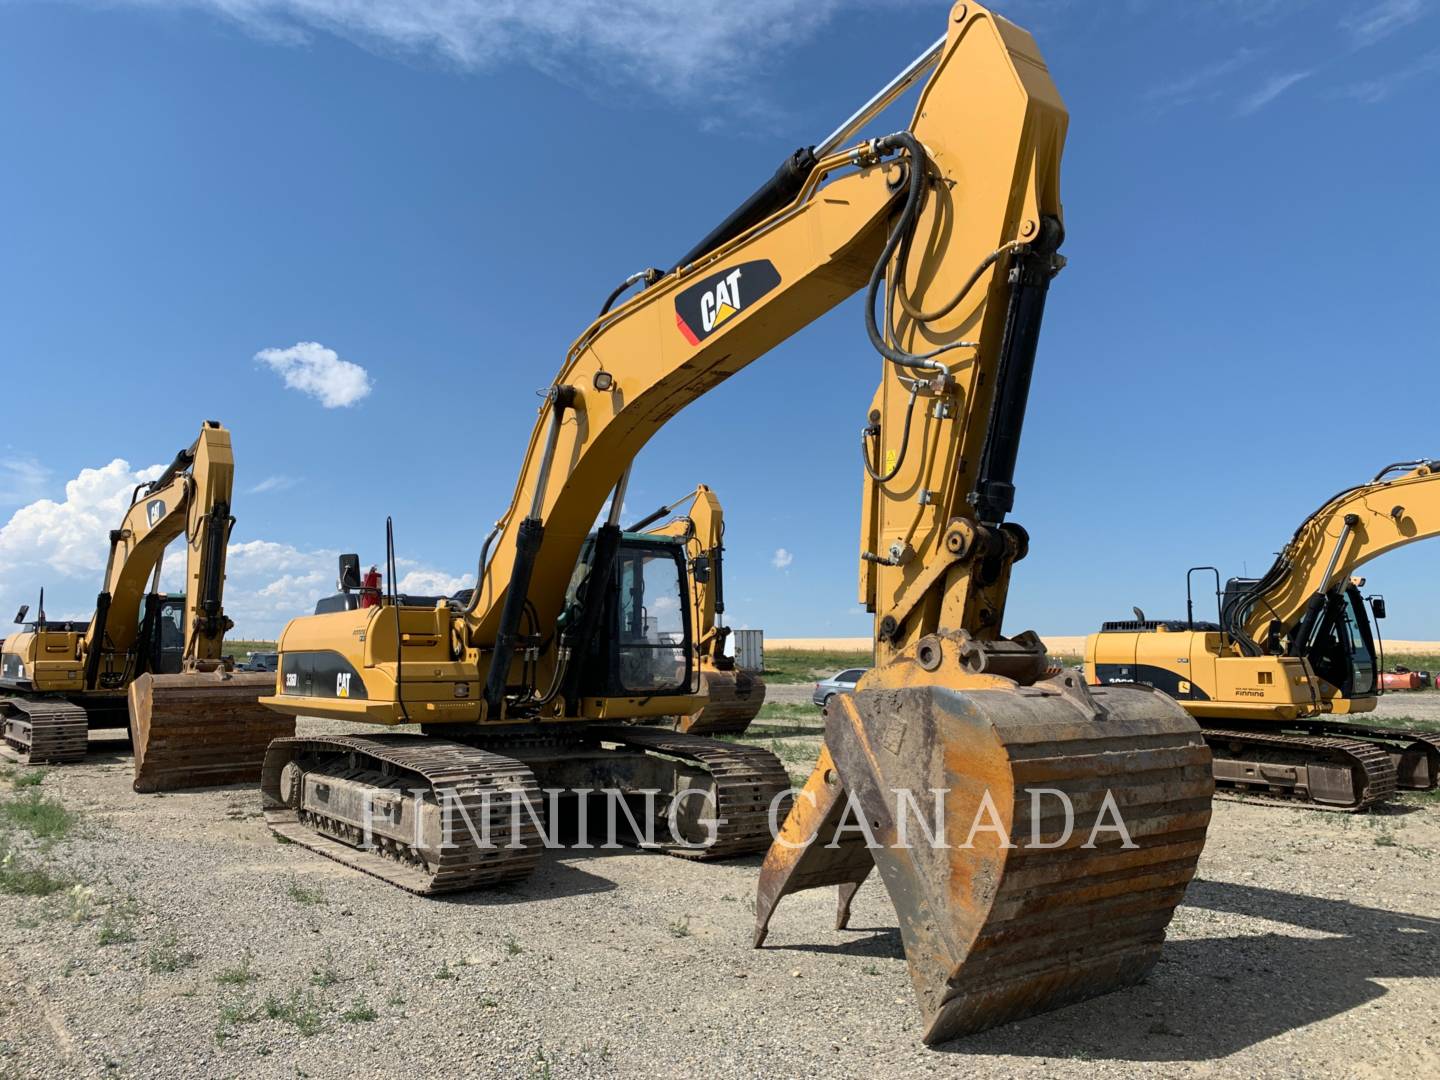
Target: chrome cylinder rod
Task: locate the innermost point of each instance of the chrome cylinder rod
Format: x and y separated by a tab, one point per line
920	66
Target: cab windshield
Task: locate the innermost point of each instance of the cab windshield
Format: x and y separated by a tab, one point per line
1341	649
652	632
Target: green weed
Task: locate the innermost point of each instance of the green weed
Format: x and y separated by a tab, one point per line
43	817
300	1010
359	1012
239	1010
326	976
115	930
167	957
239	975
304	894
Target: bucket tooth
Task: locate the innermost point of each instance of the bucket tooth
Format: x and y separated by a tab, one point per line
844	897
1020	905
201	729
792	864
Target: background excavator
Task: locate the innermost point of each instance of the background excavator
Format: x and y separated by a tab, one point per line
1291	648
955	221
146	659
733	697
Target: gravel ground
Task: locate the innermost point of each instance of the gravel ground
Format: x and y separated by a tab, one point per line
1309	946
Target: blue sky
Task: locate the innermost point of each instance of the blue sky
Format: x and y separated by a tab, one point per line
441	193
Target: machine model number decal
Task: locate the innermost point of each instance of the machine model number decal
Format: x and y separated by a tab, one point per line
712	302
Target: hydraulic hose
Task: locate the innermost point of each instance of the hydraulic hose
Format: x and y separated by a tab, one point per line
964	291
474	601
873	470
649	276
1416	464
909	214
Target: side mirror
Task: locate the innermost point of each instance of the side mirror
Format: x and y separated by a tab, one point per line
20	615
349	572
1377	606
700	569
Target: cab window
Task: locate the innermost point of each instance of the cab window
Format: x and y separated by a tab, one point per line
651	636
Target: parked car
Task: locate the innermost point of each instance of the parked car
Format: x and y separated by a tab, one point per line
842	682
261	661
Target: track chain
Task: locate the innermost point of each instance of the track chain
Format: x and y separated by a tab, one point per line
45	732
1380	780
747	780
468	772
1380	737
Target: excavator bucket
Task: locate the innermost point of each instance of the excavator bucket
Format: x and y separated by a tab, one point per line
735	698
1034	840
201	729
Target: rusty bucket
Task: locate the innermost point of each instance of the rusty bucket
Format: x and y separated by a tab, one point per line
201	729
1034	840
734	699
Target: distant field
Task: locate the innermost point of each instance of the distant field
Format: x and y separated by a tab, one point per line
807	665
786	665
1415	661
241	648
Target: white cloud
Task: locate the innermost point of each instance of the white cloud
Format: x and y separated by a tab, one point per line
434	582
781	559
1367	26
1374	91
313	369
677	46
272	483
1271	89
72	537
269	557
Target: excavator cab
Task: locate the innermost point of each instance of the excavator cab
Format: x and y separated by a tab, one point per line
161	644
645	645
1335	637
1340	644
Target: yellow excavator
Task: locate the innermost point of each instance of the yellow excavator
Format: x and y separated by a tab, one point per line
955	222
733	697
147	660
1291	649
